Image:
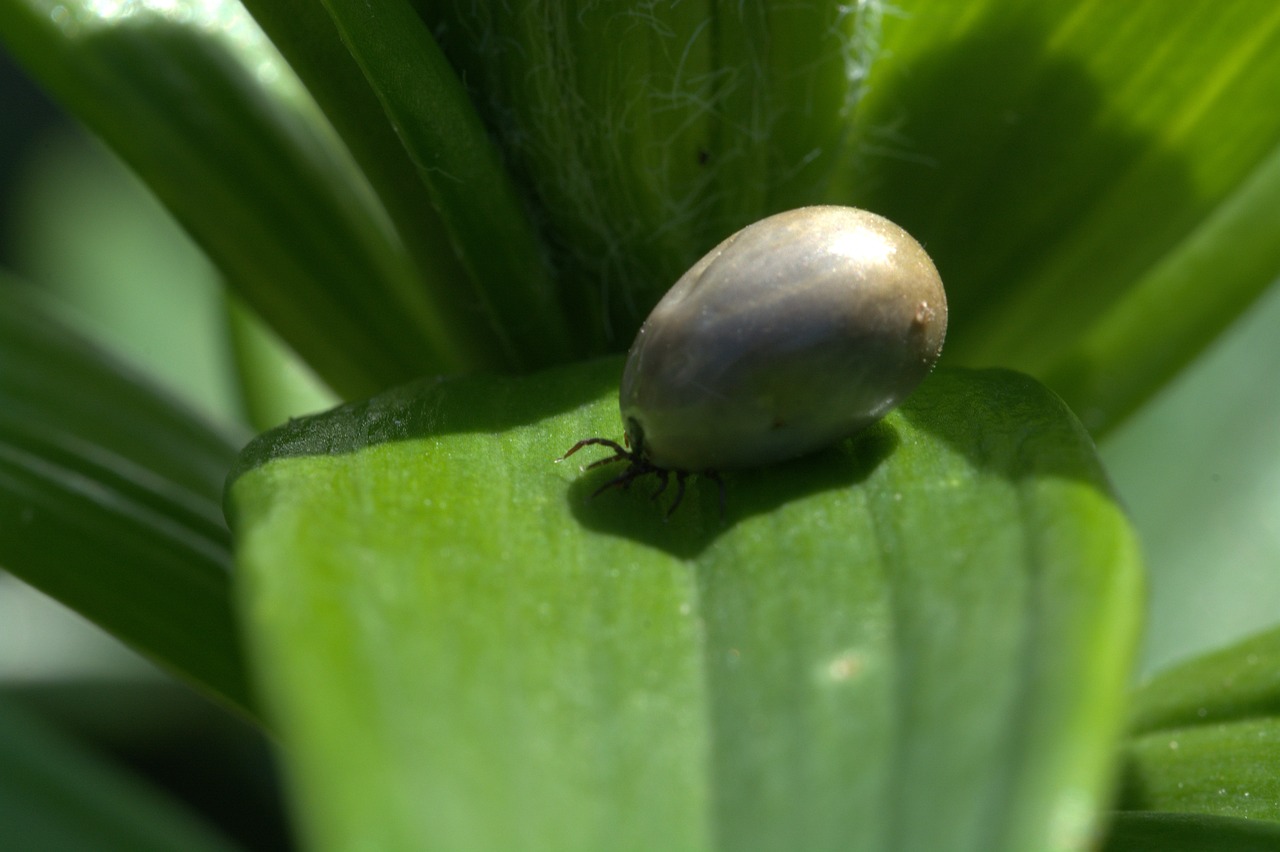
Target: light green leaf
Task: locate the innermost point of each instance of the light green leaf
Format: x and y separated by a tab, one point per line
54	796
917	639
1198	468
110	500
1238	682
124	272
1096	181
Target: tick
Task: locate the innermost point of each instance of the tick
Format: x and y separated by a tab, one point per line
795	332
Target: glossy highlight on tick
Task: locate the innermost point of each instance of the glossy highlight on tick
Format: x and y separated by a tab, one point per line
794	333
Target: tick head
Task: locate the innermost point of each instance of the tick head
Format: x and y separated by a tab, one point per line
635	440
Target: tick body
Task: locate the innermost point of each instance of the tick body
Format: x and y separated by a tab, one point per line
793	333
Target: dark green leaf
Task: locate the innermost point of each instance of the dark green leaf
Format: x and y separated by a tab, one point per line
274	384
1207	735
917	639
428	108
54	796
1165	832
305	34
109	500
1227	769
648	133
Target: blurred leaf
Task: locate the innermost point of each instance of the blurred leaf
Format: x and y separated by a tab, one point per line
86	228
917	639
1164	832
109	500
1199	469
274	383
195	100
54	796
1078	173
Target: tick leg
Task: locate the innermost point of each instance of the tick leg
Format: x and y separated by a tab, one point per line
662	479
681	476
715	477
623	479
619	451
616	457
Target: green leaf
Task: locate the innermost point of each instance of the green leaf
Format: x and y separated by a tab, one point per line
206	112
1234	683
1226	768
54	796
124	272
110	500
274	384
1206	735
646	134
306	36
1205	507
917	639
463	172
1164	832
1065	165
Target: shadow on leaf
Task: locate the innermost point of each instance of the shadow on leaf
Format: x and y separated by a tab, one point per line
697	522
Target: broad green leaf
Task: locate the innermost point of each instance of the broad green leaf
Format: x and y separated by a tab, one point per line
1174	832
199	104
109	500
919	639
1096	181
55	796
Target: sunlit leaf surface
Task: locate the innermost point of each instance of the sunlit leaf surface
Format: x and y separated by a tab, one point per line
917	639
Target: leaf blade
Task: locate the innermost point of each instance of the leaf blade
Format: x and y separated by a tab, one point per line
54	795
1070	182
252	171
1241	681
457	164
111	501
1175	832
586	657
1223	769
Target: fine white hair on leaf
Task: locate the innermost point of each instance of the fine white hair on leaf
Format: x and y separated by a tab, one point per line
644	132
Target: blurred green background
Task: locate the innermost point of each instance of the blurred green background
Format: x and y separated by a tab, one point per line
77	224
